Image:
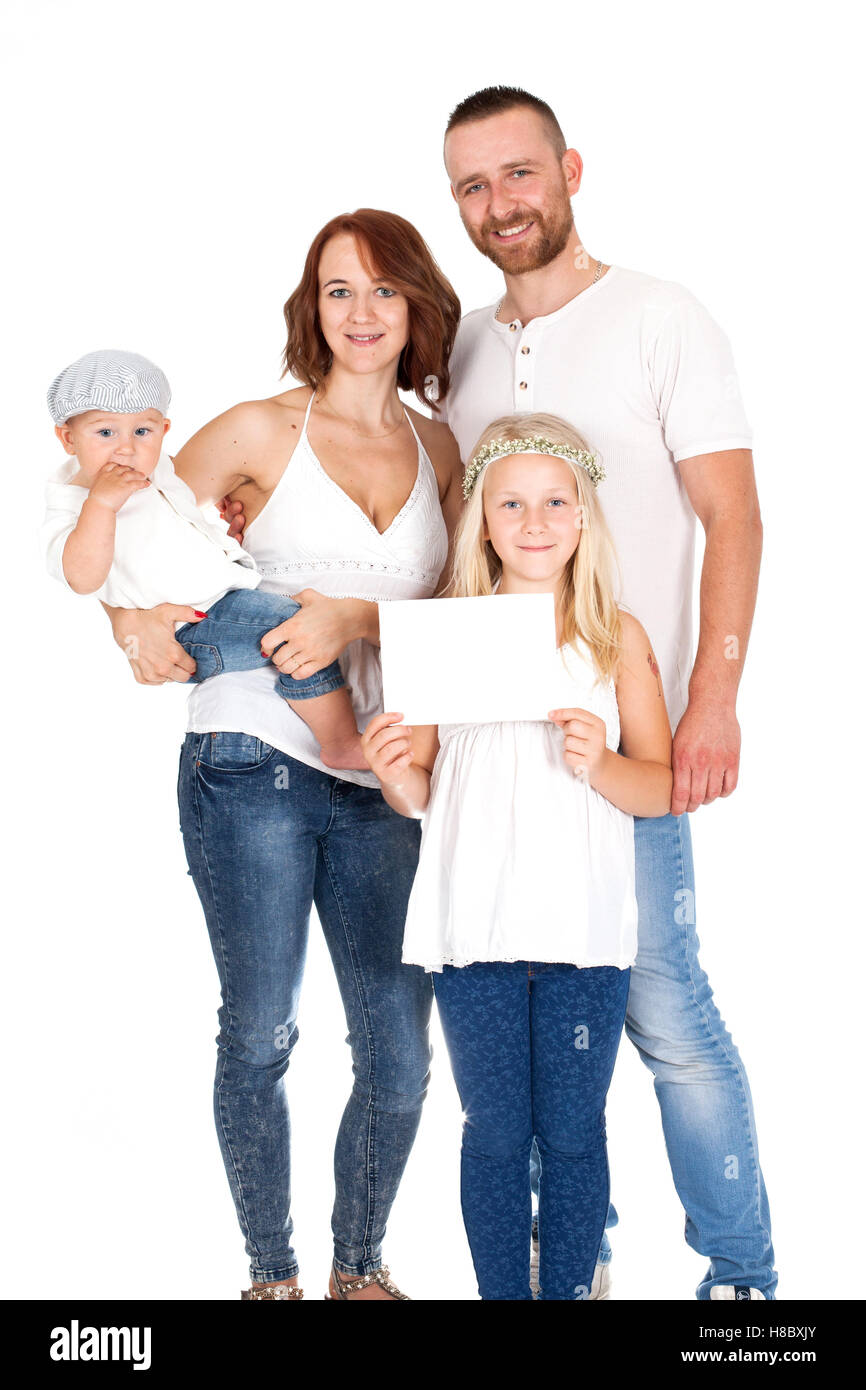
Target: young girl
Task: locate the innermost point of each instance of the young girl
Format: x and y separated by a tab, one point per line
524	906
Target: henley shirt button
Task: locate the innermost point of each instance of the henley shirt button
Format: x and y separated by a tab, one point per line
523	385
512	327
525	351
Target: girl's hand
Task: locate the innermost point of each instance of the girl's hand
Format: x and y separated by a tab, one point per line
114	483
315	636
585	740
387	745
146	636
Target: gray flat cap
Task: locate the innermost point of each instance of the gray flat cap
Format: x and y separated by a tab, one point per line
120	382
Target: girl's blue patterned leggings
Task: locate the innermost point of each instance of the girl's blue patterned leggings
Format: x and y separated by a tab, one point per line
532	1048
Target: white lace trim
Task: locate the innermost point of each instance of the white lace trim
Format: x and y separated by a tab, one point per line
461	961
276	570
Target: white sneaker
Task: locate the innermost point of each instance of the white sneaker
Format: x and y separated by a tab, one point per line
533	1266
601	1282
600	1279
735	1291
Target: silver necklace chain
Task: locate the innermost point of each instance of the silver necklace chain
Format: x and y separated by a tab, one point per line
599	267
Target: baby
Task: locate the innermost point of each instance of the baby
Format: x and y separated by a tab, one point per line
121	524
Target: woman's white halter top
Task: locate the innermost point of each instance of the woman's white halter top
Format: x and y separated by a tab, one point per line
311	535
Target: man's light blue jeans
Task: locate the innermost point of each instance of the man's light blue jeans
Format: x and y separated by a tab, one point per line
700	1081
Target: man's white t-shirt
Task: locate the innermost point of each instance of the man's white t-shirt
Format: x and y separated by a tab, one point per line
640	368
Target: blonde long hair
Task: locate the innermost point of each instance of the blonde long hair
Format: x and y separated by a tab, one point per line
586	605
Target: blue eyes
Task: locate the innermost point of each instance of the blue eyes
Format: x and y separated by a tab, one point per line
554	501
515	174
106	433
341	291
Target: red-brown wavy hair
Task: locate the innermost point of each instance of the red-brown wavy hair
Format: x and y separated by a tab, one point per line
390	248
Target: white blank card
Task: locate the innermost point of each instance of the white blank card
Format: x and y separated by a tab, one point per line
470	660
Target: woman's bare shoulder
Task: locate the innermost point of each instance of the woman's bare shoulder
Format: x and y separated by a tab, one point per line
435	434
251	440
440	444
259	420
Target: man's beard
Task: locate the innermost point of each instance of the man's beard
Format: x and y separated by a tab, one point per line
548	241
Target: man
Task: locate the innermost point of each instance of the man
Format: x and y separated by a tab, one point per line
642	370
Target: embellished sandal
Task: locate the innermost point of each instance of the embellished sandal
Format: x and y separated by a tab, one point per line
344	1286
279	1293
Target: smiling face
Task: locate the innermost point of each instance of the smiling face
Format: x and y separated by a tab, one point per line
97	437
532	518
364	320
512	189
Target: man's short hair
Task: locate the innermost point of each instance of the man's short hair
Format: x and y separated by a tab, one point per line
492	101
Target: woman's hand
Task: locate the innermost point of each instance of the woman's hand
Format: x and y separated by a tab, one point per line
146	636
585	740
316	636
387	745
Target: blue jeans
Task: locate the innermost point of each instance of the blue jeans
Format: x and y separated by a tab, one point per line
700	1081
230	639
265	838
532	1047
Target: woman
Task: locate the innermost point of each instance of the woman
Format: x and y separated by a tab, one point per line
349	500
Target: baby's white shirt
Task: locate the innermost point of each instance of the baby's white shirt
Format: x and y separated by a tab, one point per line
165	549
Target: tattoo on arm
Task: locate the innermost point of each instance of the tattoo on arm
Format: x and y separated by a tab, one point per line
653	664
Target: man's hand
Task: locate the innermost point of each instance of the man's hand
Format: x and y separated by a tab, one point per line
146	636
233	513
706	755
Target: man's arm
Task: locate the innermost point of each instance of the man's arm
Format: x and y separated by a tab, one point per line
706	751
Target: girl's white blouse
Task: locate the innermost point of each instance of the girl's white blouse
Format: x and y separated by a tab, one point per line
520	858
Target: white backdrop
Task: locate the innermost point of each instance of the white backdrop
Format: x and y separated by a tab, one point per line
166	167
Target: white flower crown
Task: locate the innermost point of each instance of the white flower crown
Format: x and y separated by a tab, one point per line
501	448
